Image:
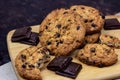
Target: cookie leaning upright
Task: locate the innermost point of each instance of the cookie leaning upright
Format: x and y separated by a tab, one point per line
93	18
62	31
29	62
97	55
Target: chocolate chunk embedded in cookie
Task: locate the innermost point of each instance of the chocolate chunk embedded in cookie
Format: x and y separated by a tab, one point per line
109	40
29	62
64	33
93	19
97	55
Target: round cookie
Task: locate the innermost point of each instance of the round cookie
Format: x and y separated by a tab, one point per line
62	33
97	55
109	40
93	19
29	62
92	38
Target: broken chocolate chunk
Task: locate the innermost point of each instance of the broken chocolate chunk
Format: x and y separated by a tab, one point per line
93	25
78	27
57	35
71	71
33	40
21	33
48	42
23	66
58	26
86	20
111	24
92	49
59	63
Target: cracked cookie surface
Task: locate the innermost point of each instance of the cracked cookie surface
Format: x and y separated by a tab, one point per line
62	31
109	40
29	62
93	18
97	55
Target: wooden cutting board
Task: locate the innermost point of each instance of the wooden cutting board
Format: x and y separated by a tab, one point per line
87	72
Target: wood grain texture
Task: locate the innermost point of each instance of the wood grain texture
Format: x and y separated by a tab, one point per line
87	73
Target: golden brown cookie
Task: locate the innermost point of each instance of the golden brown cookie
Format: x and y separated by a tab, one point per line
92	38
62	33
93	18
109	40
97	55
29	62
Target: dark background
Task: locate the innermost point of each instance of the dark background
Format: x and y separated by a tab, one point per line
18	13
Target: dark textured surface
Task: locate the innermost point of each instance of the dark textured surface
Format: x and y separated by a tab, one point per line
19	13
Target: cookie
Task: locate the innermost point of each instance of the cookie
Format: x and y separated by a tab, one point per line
109	40
29	62
93	18
97	55
63	32
92	38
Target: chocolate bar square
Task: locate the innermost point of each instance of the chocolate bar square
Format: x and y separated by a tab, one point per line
21	33
112	24
59	63
71	71
32	40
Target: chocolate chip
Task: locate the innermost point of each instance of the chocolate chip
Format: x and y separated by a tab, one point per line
48	42
58	26
102	15
64	27
81	54
93	25
78	27
65	12
74	9
86	20
92	49
82	8
111	36
46	27
31	66
61	41
38	64
23	66
69	20
91	20
23	56
57	43
57	35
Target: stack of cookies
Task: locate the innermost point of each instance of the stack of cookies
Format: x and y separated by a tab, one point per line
65	30
62	32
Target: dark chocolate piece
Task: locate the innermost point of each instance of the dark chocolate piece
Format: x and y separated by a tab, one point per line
33	40
112	24
59	63
71	71
21	33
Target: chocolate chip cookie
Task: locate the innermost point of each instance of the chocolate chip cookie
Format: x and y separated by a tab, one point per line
109	40
29	62
63	32
97	55
92	38
93	18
